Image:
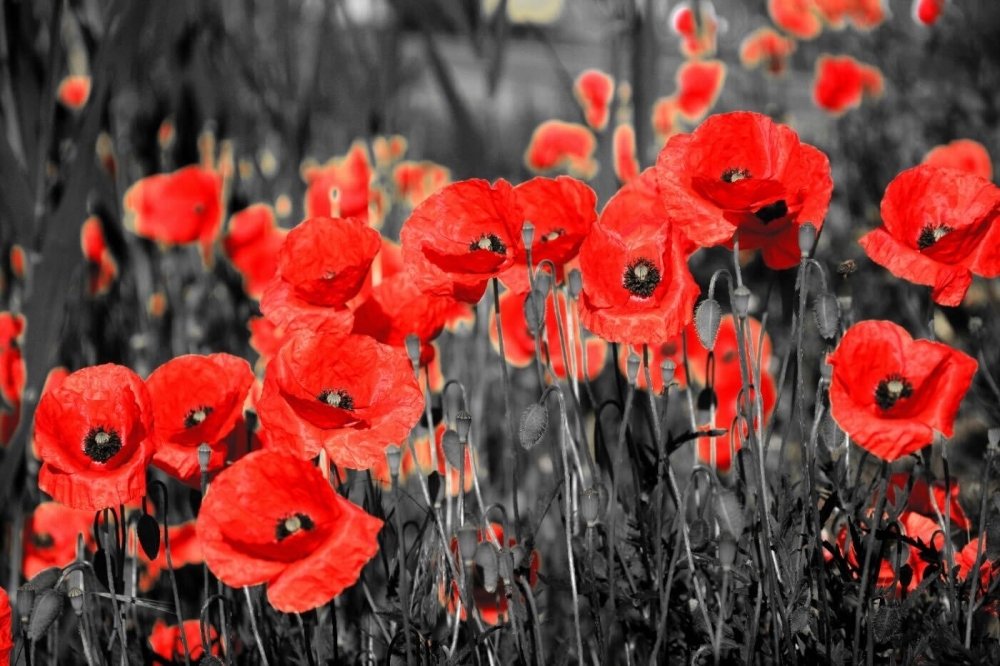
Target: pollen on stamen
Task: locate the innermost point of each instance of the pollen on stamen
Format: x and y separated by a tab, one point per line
490	243
931	234
336	398
735	174
891	390
552	235
197	416
641	278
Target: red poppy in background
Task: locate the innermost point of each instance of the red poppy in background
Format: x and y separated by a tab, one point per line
698	86
93	435
389	149
920	498
102	267
862	14
176	208
890	393
841	82
266	339
461	237
664	118
964	155
623	147
252	243
742	172
50	534
966	558
927	12
423	464
636	284
185	550
345	179
697	36
557	145
305	541
912	525
768	47
415	181
939	228
350	395
196	400
658	353
166	640
74	91
12	374
6	629
798	18
594	90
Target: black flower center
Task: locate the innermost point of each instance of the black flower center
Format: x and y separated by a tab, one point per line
641	278
733	174
42	540
931	234
338	398
488	242
891	389
101	444
294	523
552	235
772	212
197	416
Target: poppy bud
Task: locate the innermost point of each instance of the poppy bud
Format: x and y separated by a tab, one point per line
528	233
204	455
727	550
534	304
707	317
506	567
412	343
75	595
706	402
25	602
468	539
807	238
827	312
667	369
591	505
542	283
393	455
575	283
534	423
741	301
454	448
44	579
632	367
463	423
486	558
48	608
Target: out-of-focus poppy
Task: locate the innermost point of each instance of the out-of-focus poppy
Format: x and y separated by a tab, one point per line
636	284
18	261
350	395
74	91
50	534
167	645
966	558
923	502
698	86
927	12
557	145
102	267
423	464
252	243
6	630
538	12
341	187
196	400
962	154
939	228
266	339
93	435
415	181
664	118
594	90
890	393
389	149
697	35
12	374
461	237
185	550
305	541
625	159
862	14
767	47
799	18
743	173
841	82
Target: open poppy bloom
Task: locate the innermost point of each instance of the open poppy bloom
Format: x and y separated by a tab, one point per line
841	82
698	86
252	243
12	374
636	284
664	117
102	268
185	550
415	181
167	645
350	395
74	91
887	564
341	187
593	90
461	237
927	12
306	542
742	173
923	501
939	228
50	536
557	145
799	18
767	47
623	146
697	35
6	630
964	155
196	400
890	393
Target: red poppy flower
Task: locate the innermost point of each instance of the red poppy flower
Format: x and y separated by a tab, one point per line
93	435
415	181
345	179
185	550
306	542
423	464
594	90
927	12
698	86
939	228
350	395
196	400
252	243
166	640
841	82
461	237
920	498
623	145
491	606
6	630
557	145
768	47
890	393
742	172
697	37
102	268
74	91
966	558
12	374
636	284
266	339
796	17
962	154
50	535
911	525
664	118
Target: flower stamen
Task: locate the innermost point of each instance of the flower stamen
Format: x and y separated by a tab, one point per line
892	389
734	174
101	444
292	525
338	398
641	278
197	416
931	234
490	243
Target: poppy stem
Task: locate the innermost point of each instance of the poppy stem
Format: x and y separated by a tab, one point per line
512	445
866	567
973	575
170	570
403	572
119	627
252	612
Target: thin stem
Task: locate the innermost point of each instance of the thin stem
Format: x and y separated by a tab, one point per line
512	445
859	611
252	612
973	574
403	572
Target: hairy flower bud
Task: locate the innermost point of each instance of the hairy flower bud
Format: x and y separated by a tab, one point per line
827	312
707	318
807	238
468	540
454	448
741	301
575	283
48	607
591	505
534	308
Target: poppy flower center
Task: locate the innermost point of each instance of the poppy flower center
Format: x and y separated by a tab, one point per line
641	278
42	540
931	234
488	242
101	445
772	212
552	235
892	389
338	398
197	416
292	524
735	174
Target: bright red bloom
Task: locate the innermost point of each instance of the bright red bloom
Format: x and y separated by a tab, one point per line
768	47
266	339
594	90
305	541
939	228
841	82
415	181
350	395
697	37
196	400
664	117
74	91
102	267
252	243
166	640
798	18
461	237
176	208
636	284
890	393
911	525
965	559
559	145
345	179
6	630
12	374
927	12
962	154
50	535
920	498
623	145
743	173
185	550
698	86
93	435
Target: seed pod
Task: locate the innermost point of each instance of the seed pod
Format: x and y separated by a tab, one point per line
807	238
591	505
48	608
534	306
741	301
454	449
827	312
575	283
468	540
632	367
486	558
667	369
393	456
707	317
699	533
204	456
534	423
25	602
463	423
75	595
412	343
528	233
